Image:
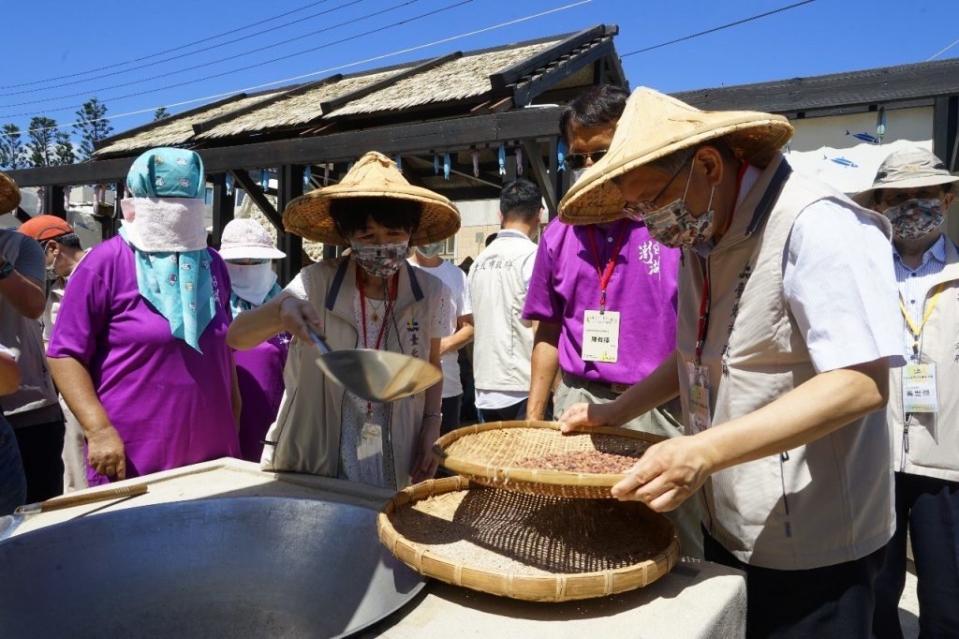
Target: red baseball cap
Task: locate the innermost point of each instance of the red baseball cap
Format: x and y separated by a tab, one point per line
45	227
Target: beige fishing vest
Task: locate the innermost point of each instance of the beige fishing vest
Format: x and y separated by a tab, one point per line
928	443
306	435
829	501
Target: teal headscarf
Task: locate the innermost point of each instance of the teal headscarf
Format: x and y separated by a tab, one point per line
178	284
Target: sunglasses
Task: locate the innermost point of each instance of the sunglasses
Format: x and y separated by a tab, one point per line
578	161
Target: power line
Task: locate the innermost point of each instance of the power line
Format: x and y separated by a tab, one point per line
719	28
185	55
235	56
165	51
289	80
175	85
941	51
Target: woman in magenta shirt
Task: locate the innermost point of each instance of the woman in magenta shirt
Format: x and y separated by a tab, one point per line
139	348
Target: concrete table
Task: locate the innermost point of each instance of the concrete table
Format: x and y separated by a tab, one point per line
697	599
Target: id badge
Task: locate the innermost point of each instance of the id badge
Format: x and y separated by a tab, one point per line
601	336
370	442
699	387
919	389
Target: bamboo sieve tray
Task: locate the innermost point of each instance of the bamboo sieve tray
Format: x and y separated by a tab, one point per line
528	547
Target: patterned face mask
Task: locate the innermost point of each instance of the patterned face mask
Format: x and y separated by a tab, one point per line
915	218
380	260
674	225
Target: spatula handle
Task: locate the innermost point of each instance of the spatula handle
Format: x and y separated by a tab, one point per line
78	499
319	341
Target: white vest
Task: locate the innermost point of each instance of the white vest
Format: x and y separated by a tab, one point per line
503	341
829	501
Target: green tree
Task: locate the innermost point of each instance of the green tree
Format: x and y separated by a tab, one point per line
160	114
91	126
12	155
63	151
42	134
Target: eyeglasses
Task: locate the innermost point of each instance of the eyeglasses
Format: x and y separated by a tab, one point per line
638	210
578	161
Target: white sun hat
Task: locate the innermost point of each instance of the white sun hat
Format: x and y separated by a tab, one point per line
246	239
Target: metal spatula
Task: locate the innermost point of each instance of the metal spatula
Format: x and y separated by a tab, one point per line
376	376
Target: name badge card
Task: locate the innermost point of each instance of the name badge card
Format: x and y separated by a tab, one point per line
919	388
699	388
601	336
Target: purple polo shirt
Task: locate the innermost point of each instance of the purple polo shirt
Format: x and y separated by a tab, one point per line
170	404
565	285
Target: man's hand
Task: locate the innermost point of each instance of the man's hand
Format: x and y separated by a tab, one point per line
583	416
425	462
667	474
106	453
297	316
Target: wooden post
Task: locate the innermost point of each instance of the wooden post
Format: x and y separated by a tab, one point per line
223	206
542	177
290	187
53	201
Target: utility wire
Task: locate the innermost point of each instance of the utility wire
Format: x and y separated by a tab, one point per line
175	85
165	51
341	67
719	28
941	51
181	71
188	54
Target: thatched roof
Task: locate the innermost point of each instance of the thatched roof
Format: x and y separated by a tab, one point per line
296	110
458	79
176	130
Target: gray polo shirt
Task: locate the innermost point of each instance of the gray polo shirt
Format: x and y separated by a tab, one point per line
35	402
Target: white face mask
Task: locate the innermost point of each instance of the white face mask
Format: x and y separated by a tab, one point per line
251	282
577	174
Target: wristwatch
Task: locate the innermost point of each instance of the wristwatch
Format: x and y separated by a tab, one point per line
5	270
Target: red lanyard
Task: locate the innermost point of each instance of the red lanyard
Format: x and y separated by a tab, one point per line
391	297
705	301
606	274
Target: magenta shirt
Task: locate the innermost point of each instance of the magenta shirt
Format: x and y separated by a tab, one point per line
260	374
170	404
565	285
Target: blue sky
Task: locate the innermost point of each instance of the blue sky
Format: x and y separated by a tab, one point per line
53	38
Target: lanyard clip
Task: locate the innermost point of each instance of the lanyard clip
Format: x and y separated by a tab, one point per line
602	302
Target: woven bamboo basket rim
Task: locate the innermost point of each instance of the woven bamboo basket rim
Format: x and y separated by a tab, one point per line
556	587
506	474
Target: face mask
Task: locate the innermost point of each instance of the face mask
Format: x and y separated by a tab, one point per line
380	260
915	218
577	174
674	224
251	282
431	250
52	270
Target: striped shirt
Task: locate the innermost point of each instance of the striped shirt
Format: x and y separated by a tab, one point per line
914	284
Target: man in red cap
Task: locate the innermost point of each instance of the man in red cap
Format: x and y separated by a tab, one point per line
62	253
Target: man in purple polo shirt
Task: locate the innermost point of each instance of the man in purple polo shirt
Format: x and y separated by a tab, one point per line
604	297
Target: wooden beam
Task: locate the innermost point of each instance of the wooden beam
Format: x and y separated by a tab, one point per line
53	203
945	113
290	187
255	193
328	106
22	216
534	155
524	92
510	75
416	137
224	205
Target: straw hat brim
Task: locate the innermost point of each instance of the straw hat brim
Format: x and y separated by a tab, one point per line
309	215
9	194
865	198
753	136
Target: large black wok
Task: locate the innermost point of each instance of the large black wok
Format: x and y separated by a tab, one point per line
235	567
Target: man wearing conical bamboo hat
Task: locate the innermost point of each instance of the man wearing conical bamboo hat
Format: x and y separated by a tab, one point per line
371	298
787	330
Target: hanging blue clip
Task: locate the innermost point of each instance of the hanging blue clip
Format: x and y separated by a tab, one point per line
447	166
307	176
501	154
561	151
436	164
264	179
881	123
399	162
229	184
